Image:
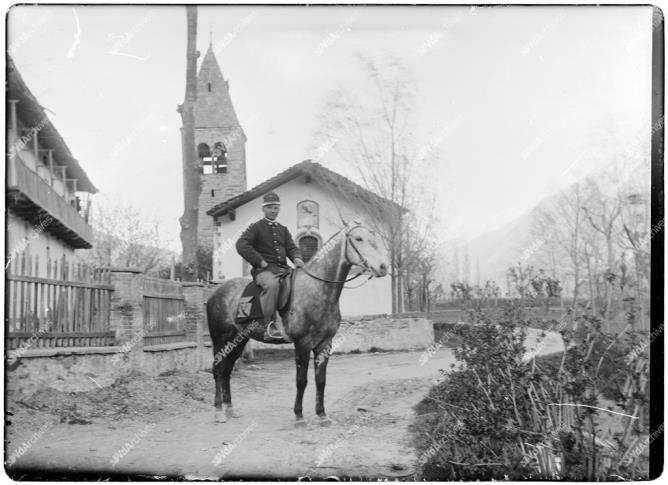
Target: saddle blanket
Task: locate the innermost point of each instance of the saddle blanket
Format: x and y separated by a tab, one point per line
249	307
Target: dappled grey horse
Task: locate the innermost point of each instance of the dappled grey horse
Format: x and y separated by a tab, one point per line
311	321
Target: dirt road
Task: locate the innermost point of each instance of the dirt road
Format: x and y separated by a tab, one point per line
164	426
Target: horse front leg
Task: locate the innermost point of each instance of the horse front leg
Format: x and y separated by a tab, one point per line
302	357
320	359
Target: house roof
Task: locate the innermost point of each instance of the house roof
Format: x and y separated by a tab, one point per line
33	114
327	177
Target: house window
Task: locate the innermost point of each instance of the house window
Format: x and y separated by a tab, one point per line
308	245
307	214
209	86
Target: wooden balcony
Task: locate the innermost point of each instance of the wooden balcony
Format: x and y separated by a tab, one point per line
33	199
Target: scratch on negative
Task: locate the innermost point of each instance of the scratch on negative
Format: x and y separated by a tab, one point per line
77	36
594	407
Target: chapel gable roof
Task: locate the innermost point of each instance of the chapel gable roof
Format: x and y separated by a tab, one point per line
326	177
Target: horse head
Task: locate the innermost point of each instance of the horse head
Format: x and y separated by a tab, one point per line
364	248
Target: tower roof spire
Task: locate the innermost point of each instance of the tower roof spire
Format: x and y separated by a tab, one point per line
210	67
214	106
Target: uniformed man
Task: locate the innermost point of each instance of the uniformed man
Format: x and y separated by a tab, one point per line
265	245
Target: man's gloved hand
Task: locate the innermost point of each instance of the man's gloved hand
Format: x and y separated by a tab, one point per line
299	263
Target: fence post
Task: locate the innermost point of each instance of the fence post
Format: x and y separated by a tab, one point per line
127	309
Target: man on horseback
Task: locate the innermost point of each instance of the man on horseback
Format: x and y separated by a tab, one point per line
265	245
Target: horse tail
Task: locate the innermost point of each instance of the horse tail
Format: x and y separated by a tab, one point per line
220	307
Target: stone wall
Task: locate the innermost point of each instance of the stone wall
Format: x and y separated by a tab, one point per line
79	369
380	333
67	370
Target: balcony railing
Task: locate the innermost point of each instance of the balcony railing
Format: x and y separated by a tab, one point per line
32	197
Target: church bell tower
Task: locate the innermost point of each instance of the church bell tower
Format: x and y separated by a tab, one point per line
220	142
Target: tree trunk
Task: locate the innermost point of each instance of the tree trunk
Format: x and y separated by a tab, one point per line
608	281
590	276
191	173
410	289
394	274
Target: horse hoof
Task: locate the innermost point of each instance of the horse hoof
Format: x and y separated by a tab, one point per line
231	413
300	423
220	417
325	421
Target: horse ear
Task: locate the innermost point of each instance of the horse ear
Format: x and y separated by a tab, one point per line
343	221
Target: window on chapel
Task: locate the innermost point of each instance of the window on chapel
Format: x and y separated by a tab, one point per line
307	214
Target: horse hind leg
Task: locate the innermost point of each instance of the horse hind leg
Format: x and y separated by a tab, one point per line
302	357
222	371
320	359
219	415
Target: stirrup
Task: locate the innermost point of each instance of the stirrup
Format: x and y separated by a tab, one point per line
281	337
268	333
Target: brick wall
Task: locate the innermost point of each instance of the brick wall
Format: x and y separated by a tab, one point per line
195	310
127	316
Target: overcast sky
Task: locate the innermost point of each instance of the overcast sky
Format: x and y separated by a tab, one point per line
520	92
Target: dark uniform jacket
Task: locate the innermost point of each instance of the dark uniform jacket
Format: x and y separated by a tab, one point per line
270	241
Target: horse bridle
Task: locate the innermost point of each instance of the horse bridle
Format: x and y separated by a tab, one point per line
365	263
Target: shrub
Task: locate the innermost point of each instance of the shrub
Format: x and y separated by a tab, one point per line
499	416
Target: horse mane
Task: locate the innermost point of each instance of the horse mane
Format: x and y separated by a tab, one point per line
322	248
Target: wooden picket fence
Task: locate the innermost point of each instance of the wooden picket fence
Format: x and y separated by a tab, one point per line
164	312
60	304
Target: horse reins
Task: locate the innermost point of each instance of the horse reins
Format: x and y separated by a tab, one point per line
362	259
325	280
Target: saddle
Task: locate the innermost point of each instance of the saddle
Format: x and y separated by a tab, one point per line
250	308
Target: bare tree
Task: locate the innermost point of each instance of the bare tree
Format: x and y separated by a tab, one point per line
634	239
124	237
191	171
421	262
372	132
562	225
598	227
603	214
